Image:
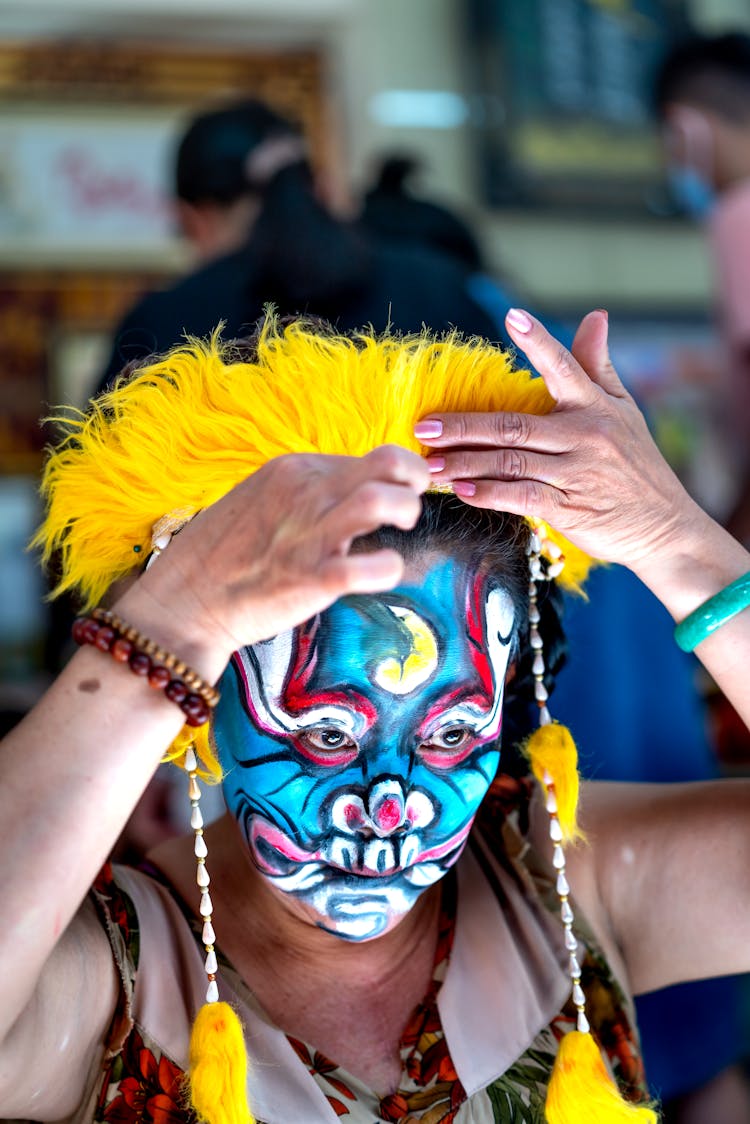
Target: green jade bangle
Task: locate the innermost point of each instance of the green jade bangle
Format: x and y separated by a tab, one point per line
712	614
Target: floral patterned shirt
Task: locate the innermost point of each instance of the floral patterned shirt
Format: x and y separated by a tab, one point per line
140	1081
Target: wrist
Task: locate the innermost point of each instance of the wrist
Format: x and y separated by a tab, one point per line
179	632
692	565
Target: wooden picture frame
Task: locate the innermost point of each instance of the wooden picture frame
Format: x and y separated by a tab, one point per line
53	298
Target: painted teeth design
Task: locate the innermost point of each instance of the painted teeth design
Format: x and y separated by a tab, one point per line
424	874
379	856
305	878
409	850
342	852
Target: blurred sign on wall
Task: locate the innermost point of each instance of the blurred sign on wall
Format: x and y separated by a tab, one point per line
562	100
71	182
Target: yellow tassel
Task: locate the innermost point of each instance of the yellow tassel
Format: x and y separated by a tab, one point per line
197	737
551	749
581	1090
218	1067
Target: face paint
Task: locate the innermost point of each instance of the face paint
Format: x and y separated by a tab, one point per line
358	747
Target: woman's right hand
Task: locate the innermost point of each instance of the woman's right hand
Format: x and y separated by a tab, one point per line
278	548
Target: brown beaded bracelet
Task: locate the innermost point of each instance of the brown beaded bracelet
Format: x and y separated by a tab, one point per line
109	633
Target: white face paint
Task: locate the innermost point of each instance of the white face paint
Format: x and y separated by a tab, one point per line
357	748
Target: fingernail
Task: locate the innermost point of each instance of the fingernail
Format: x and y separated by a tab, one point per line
435	464
431	427
464	488
604	313
519	320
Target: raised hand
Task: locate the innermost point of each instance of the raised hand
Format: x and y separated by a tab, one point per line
277	548
590	467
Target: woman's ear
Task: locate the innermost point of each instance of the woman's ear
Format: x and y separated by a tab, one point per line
510	672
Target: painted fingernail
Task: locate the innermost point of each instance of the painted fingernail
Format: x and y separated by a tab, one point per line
519	319
431	427
464	488
435	464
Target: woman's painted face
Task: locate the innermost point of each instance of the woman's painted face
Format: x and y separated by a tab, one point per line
358	747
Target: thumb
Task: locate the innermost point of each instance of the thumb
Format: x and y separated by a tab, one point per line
590	349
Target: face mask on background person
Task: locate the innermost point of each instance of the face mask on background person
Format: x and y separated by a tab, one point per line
691	190
689	144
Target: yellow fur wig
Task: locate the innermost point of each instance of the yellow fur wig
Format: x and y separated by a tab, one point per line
189	426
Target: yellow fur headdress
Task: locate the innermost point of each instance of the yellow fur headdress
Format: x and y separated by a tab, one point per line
186	428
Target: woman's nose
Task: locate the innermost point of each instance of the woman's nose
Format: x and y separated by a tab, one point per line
386	807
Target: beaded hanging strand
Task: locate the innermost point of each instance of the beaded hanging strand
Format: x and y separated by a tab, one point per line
545	572
202	876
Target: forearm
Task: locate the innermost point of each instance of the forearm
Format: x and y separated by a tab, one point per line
72	772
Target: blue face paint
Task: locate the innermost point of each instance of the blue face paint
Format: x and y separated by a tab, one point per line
357	748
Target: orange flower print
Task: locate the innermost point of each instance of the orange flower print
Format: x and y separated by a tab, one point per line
148	1089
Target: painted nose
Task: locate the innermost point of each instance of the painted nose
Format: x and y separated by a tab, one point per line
386	807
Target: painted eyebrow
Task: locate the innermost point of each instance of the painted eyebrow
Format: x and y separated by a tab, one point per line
450	701
344	700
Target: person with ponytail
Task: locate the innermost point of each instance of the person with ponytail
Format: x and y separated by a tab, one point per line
264	231
324	570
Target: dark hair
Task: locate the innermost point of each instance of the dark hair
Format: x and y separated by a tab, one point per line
712	71
301	252
494	542
211	156
391	211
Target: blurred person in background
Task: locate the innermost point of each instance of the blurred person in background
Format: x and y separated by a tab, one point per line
250	204
702	97
392	210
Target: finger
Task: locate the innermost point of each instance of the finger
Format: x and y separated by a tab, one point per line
521	497
499	464
395	464
368	507
364	572
591	351
326	480
564	377
508	429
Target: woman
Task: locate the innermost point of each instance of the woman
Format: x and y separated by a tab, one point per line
362	647
255	212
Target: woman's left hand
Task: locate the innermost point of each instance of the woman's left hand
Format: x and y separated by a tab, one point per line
590	468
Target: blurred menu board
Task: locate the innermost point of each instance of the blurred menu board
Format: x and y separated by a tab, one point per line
563	99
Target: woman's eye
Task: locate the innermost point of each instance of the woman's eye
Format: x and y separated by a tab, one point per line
328	739
452	738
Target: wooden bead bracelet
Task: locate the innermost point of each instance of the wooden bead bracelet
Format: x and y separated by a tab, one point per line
109	633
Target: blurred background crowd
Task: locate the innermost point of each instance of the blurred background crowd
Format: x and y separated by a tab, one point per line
166	165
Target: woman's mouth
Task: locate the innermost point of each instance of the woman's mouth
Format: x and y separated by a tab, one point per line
279	856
